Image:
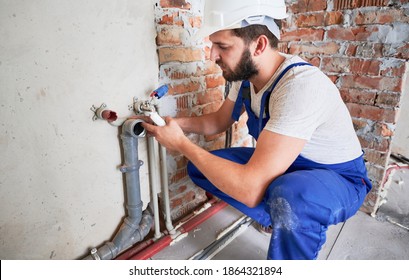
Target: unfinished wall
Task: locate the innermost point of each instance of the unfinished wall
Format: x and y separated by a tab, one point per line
196	86
60	188
363	46
400	139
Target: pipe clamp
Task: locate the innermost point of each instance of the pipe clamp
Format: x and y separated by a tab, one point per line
131	168
95	255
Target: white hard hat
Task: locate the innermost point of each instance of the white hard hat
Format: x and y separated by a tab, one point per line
230	14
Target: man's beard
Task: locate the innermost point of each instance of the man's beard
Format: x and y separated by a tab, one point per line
245	69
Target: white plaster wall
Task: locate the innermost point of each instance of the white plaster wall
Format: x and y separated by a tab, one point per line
61	192
400	141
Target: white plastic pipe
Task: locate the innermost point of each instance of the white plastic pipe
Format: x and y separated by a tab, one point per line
165	190
153	177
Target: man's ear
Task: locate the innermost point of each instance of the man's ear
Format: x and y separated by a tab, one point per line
261	45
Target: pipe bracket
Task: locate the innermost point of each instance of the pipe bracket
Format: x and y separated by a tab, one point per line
131	168
94	254
96	110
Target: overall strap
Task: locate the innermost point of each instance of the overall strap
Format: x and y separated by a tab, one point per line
267	93
244	93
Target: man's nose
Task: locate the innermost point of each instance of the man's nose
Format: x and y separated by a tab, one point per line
214	55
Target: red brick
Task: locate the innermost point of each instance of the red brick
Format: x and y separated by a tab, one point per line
335	64
183	102
351	4
181	4
352	65
377	157
303	34
371	112
169	36
175	202
326	48
212	107
351	50
185	87
211	95
213	81
179	54
207	50
170	19
365	66
333	78
380	17
397	69
379	83
314	60
332	18
358	96
195	22
351	33
302	6
179	72
390	100
180	175
310	20
382	145
183	198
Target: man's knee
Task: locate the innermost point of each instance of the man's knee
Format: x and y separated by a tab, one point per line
292	204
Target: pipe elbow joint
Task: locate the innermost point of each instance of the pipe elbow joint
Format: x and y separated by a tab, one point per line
134	128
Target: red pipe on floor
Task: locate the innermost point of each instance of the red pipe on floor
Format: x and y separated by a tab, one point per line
147	249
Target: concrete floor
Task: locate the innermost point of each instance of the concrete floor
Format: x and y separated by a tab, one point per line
362	237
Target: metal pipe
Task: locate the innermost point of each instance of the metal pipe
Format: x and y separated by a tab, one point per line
137	224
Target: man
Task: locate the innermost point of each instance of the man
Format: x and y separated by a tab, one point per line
307	171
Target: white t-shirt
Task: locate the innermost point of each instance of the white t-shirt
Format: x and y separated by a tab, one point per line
306	104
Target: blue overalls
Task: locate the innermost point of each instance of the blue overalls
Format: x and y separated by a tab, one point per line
300	204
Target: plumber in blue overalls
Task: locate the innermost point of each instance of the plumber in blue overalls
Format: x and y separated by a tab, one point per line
307	170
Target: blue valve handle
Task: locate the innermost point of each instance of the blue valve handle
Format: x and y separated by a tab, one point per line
159	92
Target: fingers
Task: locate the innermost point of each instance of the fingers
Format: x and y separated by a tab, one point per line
149	127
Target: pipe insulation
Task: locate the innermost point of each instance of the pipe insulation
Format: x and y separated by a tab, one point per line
137	224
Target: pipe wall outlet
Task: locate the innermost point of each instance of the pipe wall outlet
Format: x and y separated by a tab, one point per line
134	128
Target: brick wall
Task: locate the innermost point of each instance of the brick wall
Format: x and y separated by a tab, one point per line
195	83
362	45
